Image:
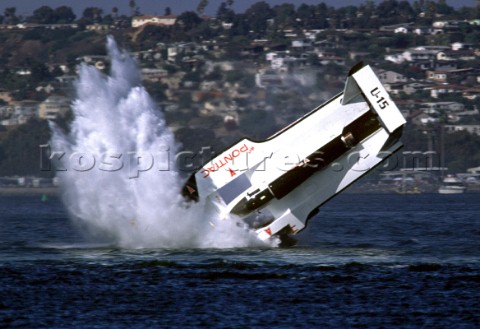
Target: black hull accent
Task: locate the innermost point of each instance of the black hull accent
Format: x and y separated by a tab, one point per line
352	134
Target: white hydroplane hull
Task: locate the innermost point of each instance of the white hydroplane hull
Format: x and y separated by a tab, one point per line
292	173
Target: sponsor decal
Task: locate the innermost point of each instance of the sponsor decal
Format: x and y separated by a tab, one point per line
224	160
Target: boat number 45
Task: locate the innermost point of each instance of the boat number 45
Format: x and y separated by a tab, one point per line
381	101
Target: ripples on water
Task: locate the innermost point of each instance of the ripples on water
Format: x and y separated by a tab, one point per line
365	261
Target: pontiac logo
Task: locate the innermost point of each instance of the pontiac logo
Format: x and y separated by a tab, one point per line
220	162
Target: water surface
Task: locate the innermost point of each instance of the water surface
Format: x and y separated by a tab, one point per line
365	261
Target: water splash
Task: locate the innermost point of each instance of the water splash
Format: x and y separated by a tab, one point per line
123	188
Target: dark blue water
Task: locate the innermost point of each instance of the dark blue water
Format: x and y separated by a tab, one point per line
366	261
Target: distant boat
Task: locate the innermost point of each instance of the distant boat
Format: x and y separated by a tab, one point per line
411	190
452	185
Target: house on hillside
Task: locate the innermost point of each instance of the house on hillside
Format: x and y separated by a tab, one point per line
471	93
269	78
472	129
415	86
421	53
420	118
324	44
462	46
6	95
153	74
447	26
6	111
53	107
139	21
98	27
301	45
422	30
182	49
417	54
99	61
388	77
19	112
397	28
326	58
449	75
456	55
442	107
439	90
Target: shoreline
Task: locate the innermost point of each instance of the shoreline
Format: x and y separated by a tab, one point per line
29	191
55	191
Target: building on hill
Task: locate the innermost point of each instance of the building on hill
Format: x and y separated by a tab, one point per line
456	55
444	106
139	21
462	46
471	93
472	129
449	75
397	28
444	89
153	74
6	95
388	77
53	107
98	27
17	113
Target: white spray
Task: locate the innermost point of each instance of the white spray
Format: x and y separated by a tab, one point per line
121	184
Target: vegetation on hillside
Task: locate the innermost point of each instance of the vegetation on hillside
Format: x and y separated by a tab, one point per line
42	51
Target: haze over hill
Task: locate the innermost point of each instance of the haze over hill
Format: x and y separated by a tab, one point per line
26	7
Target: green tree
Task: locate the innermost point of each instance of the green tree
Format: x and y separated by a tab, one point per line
64	15
225	14
473	37
240	26
152	34
405	11
135	10
93	14
285	15
10	16
257	17
313	16
391	11
39	71
443	8
43	15
402	40
188	21
201	6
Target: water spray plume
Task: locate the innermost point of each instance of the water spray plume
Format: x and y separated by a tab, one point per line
135	204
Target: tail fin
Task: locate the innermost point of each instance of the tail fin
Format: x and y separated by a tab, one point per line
362	80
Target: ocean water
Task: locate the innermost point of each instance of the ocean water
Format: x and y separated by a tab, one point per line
365	261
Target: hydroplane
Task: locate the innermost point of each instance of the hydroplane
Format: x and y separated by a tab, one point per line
277	185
